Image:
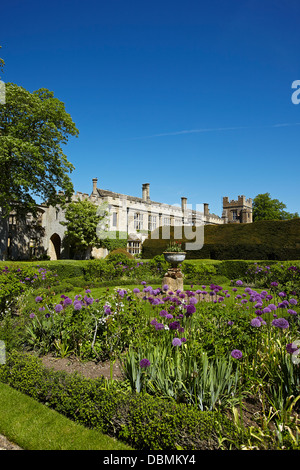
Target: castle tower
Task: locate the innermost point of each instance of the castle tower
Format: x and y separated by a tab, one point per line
237	211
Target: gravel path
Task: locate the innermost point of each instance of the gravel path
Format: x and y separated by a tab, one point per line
5	444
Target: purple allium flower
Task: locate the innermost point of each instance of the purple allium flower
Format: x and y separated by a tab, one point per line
68	301
234	289
272	306
292	312
136	290
77	305
282	294
280	323
41	309
283	304
174	325
183	340
190	310
236	354
293	302
255	322
32	315
239	283
267	310
88	291
159	326
38	298
165	287
193	300
144	363
230	323
274	284
163	313
176	342
290	348
58	308
153	322
169	316
47	315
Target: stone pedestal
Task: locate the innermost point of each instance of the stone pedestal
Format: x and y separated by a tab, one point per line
174	279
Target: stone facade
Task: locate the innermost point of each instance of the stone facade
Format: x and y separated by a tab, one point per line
237	211
133	217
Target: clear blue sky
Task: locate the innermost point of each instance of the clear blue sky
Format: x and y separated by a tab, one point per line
193	97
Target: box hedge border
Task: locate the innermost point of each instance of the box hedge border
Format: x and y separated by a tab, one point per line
140	420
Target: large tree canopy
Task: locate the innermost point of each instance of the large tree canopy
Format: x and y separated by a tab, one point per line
265	208
33	127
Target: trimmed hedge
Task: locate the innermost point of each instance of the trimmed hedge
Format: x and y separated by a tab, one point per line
263	240
142	421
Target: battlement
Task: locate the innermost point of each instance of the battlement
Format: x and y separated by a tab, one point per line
240	202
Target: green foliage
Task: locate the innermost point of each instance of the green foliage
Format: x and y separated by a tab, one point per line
119	255
140	420
198	273
263	240
33	128
82	221
182	376
15	281
265	208
115	242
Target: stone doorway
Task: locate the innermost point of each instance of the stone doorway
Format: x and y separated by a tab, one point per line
54	247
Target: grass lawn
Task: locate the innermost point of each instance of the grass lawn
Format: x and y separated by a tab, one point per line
33	426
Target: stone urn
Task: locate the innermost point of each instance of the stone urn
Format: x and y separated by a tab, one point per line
174	257
174	277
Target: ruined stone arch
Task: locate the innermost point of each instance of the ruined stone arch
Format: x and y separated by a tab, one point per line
54	246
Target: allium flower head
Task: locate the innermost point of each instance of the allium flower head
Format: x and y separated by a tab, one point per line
190	310
77	305
144	363
255	322
58	308
291	348
176	342
38	298
280	323
236	354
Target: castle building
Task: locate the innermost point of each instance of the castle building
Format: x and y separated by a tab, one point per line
239	211
131	216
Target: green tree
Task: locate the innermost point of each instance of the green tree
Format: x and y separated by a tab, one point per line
266	208
82	222
33	128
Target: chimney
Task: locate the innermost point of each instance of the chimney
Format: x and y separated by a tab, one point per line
95	180
183	204
146	192
206	209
